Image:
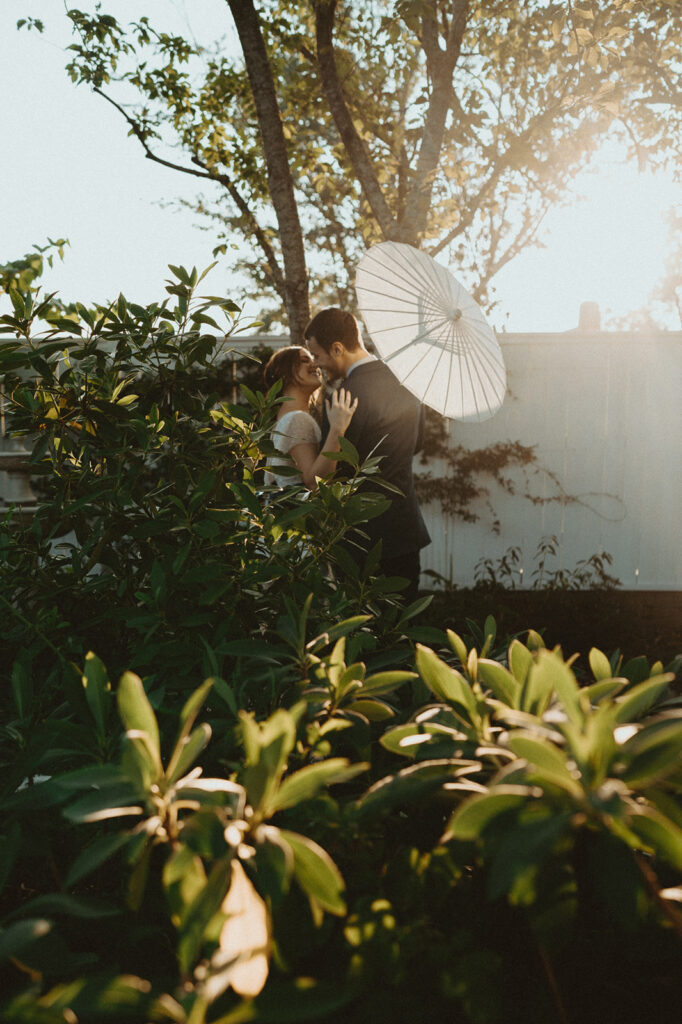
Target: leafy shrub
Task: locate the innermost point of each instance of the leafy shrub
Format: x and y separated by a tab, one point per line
335	825
532	814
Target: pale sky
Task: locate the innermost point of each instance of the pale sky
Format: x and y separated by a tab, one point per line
69	169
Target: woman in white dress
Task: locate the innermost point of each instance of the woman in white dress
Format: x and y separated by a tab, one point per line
296	433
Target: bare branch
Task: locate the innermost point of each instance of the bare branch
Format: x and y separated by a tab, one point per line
209	175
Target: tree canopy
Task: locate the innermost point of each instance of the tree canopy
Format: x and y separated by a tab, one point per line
452	125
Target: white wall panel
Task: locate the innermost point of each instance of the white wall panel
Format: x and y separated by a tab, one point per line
605	414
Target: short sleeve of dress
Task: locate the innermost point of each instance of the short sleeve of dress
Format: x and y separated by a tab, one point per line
296	428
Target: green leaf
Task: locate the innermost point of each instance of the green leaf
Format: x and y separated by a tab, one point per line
348	453
97	690
351	677
127	400
659	833
246	497
15	939
653	753
603	690
180	273
22	687
600	665
137	883
137	713
307	782
384	682
92	777
139	762
501	682
58	903
519	854
415	608
549	676
341	629
476	813
258	649
188	717
226	693
445	682
520	661
640	698
373	710
183	879
187	751
534	641
94	855
409	739
267	745
316	872
548	759
425	635
458	646
405	786
110	801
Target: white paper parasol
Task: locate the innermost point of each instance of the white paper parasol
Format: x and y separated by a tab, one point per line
431	332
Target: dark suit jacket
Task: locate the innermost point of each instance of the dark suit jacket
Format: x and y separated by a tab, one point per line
390	417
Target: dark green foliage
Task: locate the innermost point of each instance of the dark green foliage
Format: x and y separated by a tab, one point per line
238	786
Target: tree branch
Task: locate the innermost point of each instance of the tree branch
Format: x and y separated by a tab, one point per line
280	181
355	148
209	175
440	67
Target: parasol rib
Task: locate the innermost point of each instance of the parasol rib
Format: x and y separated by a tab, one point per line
427	326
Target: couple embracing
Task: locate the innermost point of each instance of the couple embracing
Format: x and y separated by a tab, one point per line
369	407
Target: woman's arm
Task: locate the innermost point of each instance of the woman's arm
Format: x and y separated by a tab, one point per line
311	464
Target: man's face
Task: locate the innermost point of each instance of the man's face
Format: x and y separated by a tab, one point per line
330	363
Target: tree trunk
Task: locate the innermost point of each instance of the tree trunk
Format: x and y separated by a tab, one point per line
355	148
280	181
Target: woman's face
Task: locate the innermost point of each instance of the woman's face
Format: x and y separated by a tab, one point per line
307	374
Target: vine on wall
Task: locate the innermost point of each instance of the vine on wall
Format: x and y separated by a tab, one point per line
463	481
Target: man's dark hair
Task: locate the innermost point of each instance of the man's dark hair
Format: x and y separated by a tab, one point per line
330	325
283	365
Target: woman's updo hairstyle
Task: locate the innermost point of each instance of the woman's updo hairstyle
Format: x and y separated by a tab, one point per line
283	365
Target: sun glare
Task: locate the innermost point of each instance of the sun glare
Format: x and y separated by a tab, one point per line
607	246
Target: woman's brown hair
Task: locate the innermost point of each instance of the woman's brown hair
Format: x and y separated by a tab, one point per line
283	365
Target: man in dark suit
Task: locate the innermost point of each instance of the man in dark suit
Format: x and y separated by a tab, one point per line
387	416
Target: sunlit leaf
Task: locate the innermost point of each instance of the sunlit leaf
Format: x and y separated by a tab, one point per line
242	958
502	683
446	683
640	698
548	759
137	713
469	820
385	682
97	690
309	781
187	751
316	872
659	833
600	665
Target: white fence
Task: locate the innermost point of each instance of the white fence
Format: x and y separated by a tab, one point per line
604	414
